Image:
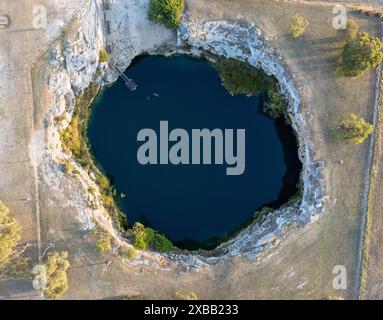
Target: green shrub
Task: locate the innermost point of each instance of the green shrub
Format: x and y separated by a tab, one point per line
298	26
74	137
70	137
103	182
107	201
162	243
360	55
128	253
353	129
240	77
142	235
107	191
104	242
131	253
56	266
167	12
260	214
104	57
275	106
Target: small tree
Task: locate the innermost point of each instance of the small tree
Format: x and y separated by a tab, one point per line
10	235
104	242
298	26
239	77
360	55
275	106
103	182
162	243
104	57
353	129
142	236
56	266
167	12
128	253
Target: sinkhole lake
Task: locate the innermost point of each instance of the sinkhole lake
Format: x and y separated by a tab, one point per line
196	206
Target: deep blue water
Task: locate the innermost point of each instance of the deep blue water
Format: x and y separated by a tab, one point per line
189	201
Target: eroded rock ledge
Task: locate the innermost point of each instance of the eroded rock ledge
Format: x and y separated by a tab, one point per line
76	65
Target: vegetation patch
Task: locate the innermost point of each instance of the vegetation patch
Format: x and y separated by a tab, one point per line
298	26
167	12
12	264
144	236
74	137
360	55
275	105
104	57
104	242
162	243
19	267
353	129
239	77
128	253
56	266
74	141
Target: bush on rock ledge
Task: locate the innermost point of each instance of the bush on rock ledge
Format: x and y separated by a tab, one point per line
167	12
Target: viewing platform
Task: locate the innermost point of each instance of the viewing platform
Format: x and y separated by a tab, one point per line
131	85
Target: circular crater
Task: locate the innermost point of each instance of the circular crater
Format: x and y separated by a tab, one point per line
194	205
